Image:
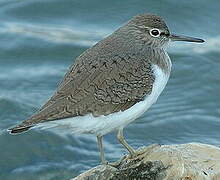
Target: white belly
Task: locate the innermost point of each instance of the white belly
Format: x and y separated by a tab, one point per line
104	124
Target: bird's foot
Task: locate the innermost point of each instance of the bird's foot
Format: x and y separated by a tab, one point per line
104	162
148	149
116	163
141	151
136	154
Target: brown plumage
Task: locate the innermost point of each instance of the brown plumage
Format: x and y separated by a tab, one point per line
112	76
98	87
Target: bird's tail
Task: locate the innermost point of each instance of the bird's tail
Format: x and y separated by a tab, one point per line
18	129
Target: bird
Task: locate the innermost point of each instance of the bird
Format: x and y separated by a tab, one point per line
112	83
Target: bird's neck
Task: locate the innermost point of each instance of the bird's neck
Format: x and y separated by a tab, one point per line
129	39
125	42
159	57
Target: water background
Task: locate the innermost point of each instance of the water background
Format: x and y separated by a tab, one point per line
39	40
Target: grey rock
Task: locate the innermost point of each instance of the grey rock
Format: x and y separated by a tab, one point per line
193	161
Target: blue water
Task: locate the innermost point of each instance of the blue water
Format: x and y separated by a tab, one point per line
39	40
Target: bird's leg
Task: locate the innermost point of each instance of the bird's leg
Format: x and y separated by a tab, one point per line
101	150
121	139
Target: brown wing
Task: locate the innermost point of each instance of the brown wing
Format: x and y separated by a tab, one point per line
98	83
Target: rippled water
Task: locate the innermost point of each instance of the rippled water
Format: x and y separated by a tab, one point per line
39	39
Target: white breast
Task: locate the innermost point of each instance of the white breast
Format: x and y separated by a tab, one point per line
104	124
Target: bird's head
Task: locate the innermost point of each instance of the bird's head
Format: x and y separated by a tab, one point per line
154	32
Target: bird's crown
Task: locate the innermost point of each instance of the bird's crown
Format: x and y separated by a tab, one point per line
153	23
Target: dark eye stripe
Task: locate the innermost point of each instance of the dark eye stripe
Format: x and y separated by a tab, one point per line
165	34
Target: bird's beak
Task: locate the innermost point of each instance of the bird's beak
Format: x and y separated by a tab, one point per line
175	37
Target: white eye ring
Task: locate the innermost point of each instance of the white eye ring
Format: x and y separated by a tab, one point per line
155	32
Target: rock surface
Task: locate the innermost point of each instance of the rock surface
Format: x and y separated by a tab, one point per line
193	161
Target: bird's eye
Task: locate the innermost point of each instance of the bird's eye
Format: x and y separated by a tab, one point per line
155	32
